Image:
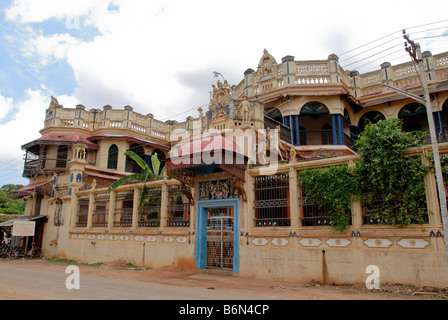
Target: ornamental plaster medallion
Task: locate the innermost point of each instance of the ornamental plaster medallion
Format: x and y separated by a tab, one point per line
378	243
100	237
139	238
168	239
74	236
113	237
279	242
91	237
182	239
80	236
338	242
310	242
151	238
413	243
260	241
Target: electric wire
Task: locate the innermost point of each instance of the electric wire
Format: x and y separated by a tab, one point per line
371	49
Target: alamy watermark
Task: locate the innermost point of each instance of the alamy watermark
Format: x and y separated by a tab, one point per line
73	280
72	22
373	280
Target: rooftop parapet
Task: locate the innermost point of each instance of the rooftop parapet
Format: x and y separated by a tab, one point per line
109	118
271	76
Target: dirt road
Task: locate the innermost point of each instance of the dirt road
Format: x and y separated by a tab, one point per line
188	285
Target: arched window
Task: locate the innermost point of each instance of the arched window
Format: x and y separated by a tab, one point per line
112	158
414	117
274	113
370	117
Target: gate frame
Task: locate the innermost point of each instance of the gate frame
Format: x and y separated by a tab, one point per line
201	230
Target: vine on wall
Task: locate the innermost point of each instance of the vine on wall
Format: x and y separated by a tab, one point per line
390	184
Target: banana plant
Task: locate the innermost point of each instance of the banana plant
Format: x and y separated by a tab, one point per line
149	173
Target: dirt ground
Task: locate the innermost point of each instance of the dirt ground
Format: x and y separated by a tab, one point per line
176	276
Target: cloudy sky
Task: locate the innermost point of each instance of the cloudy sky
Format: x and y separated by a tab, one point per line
159	56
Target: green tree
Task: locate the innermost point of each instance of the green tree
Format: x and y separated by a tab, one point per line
331	188
155	172
393	183
10	205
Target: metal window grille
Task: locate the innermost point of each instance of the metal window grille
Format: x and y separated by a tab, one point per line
272	201
178	208
100	213
83	211
150	212
378	211
312	214
124	209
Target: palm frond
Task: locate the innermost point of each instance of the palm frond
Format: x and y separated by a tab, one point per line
138	160
155	162
126	179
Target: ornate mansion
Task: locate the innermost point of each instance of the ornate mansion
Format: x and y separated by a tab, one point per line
229	197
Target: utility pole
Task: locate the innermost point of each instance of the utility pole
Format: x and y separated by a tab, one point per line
415	52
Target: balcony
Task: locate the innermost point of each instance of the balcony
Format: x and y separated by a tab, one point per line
285	132
45	165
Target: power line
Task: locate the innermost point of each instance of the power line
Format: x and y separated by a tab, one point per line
388	41
374	54
370	49
398	31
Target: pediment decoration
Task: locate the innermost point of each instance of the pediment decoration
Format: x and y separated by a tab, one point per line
267	65
220	99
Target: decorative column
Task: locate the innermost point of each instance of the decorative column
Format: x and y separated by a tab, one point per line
432	198
356	205
293	198
164	204
250	218
296	130
91	208
136	207
340	129
112	204
333	128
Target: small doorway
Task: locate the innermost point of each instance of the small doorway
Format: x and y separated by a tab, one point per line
217	239
220	238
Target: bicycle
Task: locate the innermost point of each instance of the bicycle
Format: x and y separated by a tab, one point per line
17	253
4	251
34	252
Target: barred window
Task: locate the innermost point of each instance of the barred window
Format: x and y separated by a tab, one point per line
100	212
378	211
272	201
150	212
311	212
83	211
124	209
178	208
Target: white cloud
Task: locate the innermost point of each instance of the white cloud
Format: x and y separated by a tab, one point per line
41	10
6	105
25	124
49	49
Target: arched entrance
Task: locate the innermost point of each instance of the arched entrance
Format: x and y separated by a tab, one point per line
414	117
370	117
315	124
131	165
